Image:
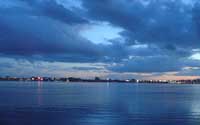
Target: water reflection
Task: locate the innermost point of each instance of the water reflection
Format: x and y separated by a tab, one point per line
99	104
39	93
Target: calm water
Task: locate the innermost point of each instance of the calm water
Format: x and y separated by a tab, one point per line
56	103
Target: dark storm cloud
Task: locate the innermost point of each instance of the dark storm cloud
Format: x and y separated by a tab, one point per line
157	64
35	36
148	65
27	34
172	27
52	9
157	36
86	68
161	22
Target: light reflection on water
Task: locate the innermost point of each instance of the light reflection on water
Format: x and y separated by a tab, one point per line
60	103
39	93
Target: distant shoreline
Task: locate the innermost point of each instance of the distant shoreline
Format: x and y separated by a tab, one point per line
161	83
98	80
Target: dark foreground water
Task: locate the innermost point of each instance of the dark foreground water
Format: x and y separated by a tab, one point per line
32	103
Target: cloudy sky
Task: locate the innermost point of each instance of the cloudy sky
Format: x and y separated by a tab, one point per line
143	39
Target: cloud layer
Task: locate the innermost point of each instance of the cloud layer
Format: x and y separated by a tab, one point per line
157	36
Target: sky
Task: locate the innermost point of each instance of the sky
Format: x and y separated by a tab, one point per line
118	39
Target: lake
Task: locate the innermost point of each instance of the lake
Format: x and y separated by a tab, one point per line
59	103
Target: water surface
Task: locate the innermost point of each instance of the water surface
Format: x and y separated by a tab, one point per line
59	103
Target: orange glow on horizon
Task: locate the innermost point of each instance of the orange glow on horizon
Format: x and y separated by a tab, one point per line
170	77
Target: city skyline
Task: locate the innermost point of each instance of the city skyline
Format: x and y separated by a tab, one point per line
140	39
